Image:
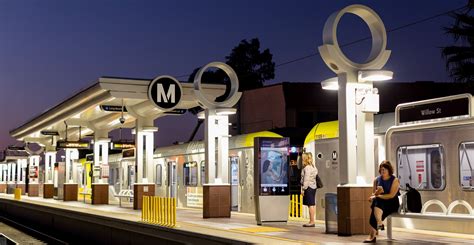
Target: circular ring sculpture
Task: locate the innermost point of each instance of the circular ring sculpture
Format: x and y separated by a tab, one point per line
434	202
462	203
331	52
234	94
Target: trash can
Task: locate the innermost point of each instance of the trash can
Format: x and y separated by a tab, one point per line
331	213
17	193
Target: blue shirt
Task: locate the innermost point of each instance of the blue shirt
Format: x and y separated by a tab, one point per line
386	184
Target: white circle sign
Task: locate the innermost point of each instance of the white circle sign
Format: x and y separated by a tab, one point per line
234	94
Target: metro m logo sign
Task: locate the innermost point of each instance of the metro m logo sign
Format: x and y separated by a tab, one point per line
165	92
166	97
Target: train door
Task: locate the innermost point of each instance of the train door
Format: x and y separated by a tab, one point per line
172	179
234	181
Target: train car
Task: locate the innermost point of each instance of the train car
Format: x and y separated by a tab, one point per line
436	157
179	172
323	142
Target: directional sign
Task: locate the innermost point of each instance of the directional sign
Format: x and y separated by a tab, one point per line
113	108
165	92
50	132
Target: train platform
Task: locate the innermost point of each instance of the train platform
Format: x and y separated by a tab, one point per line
242	227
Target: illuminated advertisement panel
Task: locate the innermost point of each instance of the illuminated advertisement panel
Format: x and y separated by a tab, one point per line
272	165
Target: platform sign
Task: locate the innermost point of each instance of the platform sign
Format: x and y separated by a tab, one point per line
128	153
122	145
165	92
72	144
434	110
272	166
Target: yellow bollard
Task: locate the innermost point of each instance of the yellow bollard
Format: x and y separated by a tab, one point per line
163	211
301	206
160	210
155	206
168	218
17	193
173	212
144	209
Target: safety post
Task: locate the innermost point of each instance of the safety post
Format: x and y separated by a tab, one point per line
17	193
159	211
296	206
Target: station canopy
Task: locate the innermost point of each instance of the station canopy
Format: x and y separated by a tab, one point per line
99	107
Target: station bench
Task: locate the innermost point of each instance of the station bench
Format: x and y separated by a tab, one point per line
447	214
124	193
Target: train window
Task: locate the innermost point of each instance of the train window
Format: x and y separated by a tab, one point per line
203	172
158	174
421	166
466	168
190	173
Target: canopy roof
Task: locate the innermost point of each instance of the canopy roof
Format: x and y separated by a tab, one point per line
84	109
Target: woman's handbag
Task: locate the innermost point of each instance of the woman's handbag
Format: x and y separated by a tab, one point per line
319	182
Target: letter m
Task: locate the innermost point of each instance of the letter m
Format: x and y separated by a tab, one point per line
165	97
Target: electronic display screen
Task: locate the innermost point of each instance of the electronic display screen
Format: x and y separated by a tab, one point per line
273	166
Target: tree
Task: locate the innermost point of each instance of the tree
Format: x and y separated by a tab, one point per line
460	57
252	66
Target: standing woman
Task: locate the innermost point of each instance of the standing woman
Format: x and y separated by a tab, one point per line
384	199
308	186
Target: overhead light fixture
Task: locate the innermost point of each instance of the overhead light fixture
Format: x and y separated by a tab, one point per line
330	84
149	129
375	75
225	111
102	140
201	115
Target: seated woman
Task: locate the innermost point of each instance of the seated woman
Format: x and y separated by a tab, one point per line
384	199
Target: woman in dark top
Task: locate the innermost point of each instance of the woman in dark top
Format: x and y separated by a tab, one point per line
384	198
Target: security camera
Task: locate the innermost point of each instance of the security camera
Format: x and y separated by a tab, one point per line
122	120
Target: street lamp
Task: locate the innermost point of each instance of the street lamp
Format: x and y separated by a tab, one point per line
375	75
330	84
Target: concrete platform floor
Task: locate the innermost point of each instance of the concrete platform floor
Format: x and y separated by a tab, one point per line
243	226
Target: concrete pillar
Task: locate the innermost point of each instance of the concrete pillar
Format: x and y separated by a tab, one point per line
216	139
347	128
33	184
217	190
144	141
71	155
50	159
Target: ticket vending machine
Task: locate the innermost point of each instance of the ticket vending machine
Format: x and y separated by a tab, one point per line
271	179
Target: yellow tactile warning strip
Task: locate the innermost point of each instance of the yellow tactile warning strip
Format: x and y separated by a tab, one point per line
237	231
261	229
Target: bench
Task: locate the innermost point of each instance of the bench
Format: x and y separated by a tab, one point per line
446	214
85	193
122	194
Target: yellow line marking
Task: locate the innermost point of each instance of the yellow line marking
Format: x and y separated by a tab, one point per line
260	229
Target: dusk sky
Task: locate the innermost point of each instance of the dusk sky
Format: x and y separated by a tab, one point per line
51	49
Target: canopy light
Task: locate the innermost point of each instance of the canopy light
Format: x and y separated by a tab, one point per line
149	129
201	115
225	111
102	140
330	84
375	75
